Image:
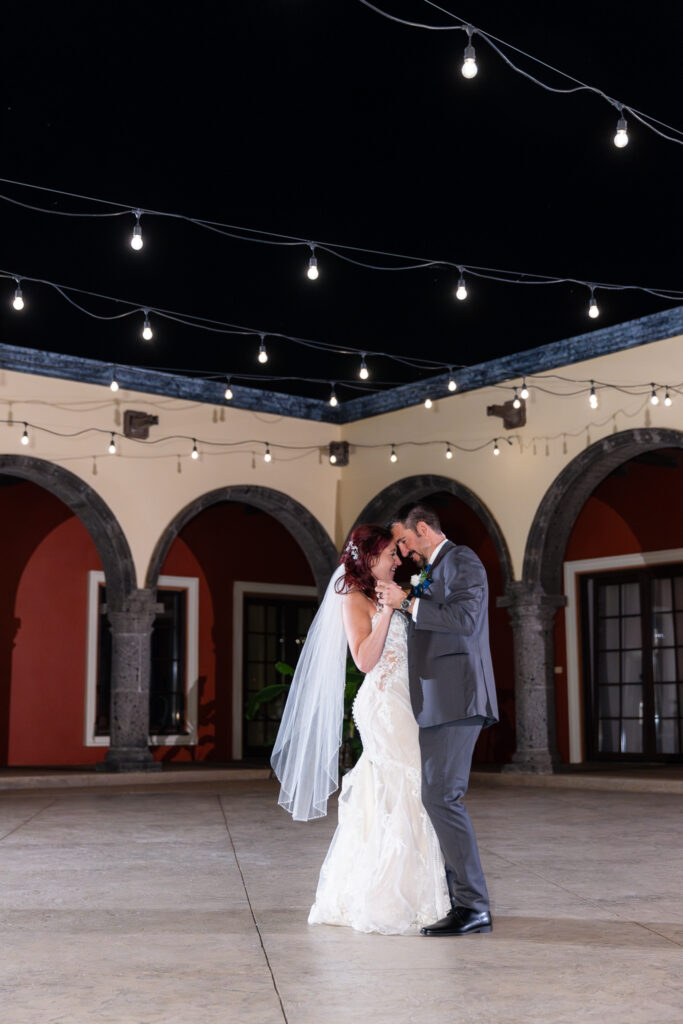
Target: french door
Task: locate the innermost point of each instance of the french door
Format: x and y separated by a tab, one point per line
633	664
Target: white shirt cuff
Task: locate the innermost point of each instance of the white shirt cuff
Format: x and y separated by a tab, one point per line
413	613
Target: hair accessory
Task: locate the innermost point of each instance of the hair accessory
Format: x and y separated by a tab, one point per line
353	549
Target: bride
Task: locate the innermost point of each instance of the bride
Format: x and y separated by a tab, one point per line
384	871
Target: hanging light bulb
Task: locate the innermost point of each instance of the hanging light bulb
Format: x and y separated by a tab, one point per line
333	400
452	383
136	238
393	457
333	458
114	386
24	437
112	445
428	403
621	138
516	401
667	399
524	393
363	373
267	457
654	397
147	332
461	290
18	300
469	67
312	272
593	309
262	354
496	449
195	453
228	391
593	398
449	453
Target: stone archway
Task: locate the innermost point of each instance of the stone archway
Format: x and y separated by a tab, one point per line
130	611
309	534
415	488
533	601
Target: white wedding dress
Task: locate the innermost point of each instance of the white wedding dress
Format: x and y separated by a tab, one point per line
384	870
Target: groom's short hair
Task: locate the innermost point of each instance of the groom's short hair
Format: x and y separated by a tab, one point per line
410	515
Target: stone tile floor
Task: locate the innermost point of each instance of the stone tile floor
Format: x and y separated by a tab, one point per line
141	906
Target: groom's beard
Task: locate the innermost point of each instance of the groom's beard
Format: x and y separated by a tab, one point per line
420	560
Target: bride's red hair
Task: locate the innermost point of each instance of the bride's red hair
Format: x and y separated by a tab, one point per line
361	551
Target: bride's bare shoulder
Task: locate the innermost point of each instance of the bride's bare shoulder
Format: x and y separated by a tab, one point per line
357	603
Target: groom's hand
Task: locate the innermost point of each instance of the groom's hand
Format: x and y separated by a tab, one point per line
390	594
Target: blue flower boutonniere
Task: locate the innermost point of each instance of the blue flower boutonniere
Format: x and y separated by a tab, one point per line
420	583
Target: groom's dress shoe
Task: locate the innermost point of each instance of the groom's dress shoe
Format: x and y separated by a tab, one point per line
460	921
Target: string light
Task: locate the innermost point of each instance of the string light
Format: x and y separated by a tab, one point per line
393	457
18	300
621	137
147	332
228	391
334	401
112	445
136	241
114	386
469	66
654	397
452	383
593	398
363	373
667	399
524	393
333	458
496	449
449	452
516	401
195	453
312	272
262	354
461	290
593	309
24	437
267	457
428	403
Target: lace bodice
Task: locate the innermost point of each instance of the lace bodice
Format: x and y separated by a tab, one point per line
392	667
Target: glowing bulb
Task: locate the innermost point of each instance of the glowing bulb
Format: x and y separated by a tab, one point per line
262	354
654	397
593	398
24	436
136	238
449	453
393	457
452	384
496	449
667	399
112	445
333	459
469	67
267	457
621	138
228	391
147	332
195	453
312	272
516	401
363	373
334	401
114	384
461	290
428	403
18	300
524	393
593	310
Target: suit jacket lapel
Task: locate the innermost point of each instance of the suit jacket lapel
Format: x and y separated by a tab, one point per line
446	547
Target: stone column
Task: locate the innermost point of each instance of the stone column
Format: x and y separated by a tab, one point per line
131	630
532	612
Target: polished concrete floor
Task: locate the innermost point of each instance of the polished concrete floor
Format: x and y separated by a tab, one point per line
148	906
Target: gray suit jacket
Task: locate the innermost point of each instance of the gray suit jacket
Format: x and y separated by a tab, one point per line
451	675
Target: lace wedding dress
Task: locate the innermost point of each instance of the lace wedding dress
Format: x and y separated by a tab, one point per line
384	871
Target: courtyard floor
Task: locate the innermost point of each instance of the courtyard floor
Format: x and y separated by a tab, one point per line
182	903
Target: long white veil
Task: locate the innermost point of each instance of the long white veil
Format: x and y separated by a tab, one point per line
306	752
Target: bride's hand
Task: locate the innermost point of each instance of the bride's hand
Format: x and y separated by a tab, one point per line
389	594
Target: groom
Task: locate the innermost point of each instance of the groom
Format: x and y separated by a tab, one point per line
453	695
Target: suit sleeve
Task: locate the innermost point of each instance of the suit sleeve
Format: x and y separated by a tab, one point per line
466	595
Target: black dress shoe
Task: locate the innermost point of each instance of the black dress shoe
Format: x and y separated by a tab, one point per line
460	921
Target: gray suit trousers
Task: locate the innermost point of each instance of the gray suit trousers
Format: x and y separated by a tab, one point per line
446	759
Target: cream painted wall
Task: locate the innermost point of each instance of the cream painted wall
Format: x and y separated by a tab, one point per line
512	484
146	485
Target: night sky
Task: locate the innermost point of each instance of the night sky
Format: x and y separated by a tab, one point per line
321	119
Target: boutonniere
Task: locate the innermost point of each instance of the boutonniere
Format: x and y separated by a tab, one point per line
420	583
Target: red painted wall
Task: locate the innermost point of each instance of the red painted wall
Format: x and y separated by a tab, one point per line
45	553
637	511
